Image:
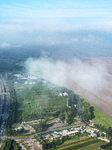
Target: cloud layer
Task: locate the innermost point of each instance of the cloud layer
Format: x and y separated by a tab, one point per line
91	77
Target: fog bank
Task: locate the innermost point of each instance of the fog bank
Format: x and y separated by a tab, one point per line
89	74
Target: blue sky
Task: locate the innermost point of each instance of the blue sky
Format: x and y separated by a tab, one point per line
20	20
63	8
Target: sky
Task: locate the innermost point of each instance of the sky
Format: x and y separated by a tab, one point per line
55	22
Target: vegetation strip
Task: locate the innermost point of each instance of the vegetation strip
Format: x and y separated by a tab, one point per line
74	146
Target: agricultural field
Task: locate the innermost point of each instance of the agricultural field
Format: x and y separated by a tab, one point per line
81	144
40	100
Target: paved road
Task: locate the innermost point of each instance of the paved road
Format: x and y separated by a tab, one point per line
4	106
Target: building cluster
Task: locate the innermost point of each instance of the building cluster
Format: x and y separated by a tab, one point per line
91	132
71	132
55	134
29	79
25	77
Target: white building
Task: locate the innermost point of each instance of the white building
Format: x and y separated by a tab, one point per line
65	94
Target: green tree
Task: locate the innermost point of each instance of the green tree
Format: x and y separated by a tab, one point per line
98	134
103	135
58	141
61	116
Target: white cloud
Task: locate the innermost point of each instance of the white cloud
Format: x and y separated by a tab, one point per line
91	77
5	45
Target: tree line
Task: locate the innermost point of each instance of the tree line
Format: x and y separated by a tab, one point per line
13	107
85	108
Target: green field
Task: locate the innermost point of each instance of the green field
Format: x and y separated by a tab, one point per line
84	143
40	100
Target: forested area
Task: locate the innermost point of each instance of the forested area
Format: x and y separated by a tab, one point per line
9	144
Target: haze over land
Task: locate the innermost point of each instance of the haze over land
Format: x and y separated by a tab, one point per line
67	42
90	78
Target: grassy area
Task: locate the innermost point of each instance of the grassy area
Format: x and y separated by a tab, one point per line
101	118
81	144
